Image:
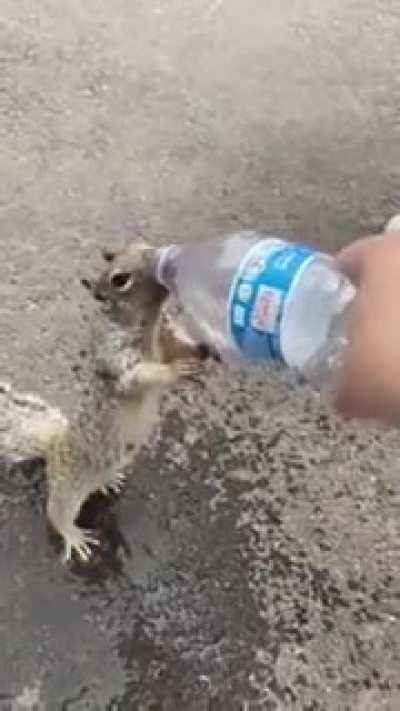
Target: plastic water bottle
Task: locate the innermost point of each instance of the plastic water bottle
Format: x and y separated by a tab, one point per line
261	299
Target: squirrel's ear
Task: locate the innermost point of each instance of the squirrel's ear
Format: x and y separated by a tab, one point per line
107	255
87	284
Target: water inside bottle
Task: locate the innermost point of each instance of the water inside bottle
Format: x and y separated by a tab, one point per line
312	317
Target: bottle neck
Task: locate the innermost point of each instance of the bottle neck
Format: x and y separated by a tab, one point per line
166	265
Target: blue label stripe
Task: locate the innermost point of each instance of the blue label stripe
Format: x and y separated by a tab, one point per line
260	247
258	295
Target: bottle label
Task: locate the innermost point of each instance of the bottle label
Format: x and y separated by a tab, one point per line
262	285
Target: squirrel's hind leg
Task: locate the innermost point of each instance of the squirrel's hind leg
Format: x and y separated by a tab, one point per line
62	515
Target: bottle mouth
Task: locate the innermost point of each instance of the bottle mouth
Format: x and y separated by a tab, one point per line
165	265
160	263
393	224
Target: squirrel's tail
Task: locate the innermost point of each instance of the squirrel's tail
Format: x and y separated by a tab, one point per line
29	426
46	434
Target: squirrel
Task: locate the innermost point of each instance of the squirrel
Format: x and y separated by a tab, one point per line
135	351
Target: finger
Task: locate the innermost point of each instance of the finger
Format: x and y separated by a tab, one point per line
363	254
351	260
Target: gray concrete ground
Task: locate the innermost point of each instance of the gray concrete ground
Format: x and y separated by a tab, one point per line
253	561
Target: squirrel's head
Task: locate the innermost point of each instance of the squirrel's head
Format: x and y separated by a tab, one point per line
128	281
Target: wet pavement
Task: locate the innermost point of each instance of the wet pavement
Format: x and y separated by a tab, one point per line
253	560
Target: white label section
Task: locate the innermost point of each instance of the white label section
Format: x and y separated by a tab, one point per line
266	309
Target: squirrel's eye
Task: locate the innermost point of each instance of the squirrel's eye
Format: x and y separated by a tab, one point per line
121	281
107	255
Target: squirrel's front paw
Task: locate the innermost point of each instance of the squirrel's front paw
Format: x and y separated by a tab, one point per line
188	368
205	352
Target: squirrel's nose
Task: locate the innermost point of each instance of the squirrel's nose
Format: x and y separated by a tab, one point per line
86	283
99	296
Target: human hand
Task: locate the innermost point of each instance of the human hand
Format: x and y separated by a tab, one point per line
369	381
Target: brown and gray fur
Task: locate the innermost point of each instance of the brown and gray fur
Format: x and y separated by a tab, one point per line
134	352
